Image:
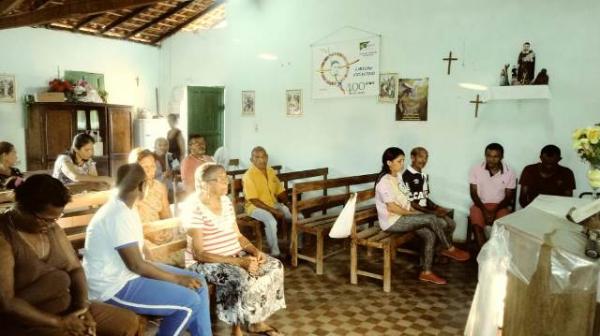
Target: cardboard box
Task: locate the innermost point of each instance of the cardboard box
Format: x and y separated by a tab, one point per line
50	97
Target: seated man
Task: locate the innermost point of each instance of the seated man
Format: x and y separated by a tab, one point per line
265	196
197	157
43	290
492	188
546	177
418	184
118	273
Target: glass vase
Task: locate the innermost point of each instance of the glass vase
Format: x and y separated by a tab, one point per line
593	176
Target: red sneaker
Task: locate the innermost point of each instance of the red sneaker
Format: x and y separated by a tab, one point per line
431	277
457	254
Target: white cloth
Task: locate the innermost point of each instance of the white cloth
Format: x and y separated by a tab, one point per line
115	225
342	228
62	172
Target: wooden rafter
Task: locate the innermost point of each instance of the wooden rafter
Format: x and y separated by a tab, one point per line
96	35
191	19
86	20
8	5
68	10
158	19
124	18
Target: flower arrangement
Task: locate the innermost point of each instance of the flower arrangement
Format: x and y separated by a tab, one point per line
59	85
586	141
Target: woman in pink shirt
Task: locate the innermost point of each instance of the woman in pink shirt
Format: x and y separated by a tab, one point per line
397	215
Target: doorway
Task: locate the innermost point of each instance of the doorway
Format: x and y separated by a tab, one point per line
206	115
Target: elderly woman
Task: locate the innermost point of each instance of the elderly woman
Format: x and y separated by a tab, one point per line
43	290
164	159
249	284
76	165
10	177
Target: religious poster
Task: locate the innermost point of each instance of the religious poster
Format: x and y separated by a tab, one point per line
346	69
248	103
293	99
8	88
388	86
412	99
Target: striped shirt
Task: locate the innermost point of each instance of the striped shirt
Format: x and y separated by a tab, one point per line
219	232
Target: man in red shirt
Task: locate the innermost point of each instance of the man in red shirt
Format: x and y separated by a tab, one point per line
546	177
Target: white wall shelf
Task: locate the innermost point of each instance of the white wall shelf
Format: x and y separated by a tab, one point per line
518	92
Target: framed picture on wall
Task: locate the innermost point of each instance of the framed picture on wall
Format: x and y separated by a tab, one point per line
413	97
8	88
248	103
388	88
293	103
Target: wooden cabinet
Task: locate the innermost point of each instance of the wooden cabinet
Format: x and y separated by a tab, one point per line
51	127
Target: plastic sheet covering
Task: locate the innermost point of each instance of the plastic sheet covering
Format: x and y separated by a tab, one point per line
514	247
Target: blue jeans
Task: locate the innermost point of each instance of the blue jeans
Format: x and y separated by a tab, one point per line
181	307
271	225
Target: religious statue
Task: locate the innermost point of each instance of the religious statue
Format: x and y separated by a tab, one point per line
541	79
526	63
504	75
513	78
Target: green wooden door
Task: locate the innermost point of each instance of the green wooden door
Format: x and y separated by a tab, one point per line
205	115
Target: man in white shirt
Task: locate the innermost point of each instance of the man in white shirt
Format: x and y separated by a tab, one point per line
118	273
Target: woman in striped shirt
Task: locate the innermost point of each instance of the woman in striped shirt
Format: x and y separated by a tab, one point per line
249	284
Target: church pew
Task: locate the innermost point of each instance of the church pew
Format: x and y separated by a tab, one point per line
237	198
238	172
79	212
372	237
319	226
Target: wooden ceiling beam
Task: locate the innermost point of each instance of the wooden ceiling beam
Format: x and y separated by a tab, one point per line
124	18
191	19
68	10
173	10
86	20
8	5
96	35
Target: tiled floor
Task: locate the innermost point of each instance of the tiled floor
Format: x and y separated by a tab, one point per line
330	305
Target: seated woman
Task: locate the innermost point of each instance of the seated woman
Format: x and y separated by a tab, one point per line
10	177
397	215
154	205
196	158
77	166
249	284
43	290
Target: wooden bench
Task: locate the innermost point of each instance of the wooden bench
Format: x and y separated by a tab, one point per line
373	237
256	226
78	213
319	226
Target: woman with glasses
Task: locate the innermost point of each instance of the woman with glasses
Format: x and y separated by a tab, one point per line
43	289
249	284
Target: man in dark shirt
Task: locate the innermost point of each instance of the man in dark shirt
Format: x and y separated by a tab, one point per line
418	182
546	177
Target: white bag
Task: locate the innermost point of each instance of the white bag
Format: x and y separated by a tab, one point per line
343	223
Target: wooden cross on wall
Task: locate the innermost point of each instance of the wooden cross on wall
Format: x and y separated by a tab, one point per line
449	59
477	101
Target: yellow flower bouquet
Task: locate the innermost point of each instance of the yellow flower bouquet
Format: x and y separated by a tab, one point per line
586	142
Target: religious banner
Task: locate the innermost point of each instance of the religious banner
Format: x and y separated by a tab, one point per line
346	69
412	99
